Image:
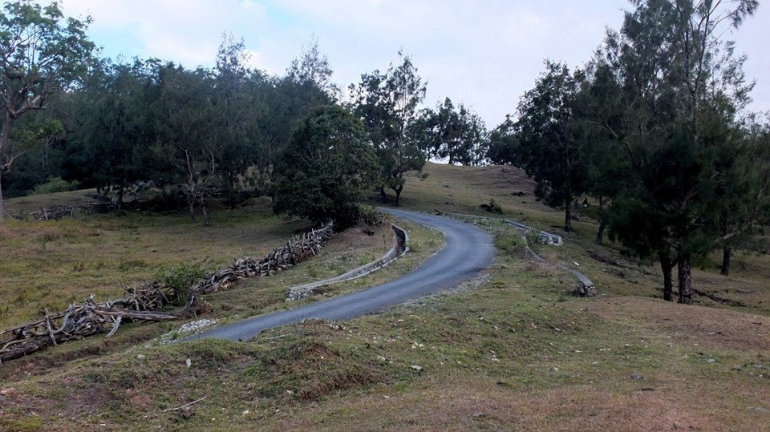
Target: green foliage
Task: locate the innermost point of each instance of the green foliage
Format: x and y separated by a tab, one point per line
182	278
509	243
545	144
54	185
43	53
494	207
325	169
670	115
455	134
387	104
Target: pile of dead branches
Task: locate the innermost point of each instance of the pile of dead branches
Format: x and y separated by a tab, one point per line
142	304
80	321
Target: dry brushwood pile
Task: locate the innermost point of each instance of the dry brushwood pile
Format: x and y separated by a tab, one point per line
143	304
59	212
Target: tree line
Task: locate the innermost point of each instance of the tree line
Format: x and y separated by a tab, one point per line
73	119
654	129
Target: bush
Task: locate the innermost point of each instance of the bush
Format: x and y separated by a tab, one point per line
54	185
181	278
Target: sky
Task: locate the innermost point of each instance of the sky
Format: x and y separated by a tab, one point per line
483	53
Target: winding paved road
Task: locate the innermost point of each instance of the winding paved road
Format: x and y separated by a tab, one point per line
468	250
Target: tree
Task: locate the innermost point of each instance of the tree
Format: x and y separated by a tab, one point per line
681	88
288	100
598	114
458	135
546	144
325	168
502	143
112	137
41	53
187	134
238	109
387	105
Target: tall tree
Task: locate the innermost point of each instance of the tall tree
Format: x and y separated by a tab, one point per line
387	103
456	134
238	108
111	138
326	167
682	86
288	100
41	53
184	116
546	143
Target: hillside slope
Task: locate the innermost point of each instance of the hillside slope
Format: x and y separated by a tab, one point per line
511	350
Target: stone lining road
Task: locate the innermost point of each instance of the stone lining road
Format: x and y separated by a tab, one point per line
468	250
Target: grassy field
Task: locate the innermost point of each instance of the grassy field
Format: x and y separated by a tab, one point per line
512	349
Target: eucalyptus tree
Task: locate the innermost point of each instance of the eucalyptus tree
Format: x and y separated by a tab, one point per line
387	104
43	53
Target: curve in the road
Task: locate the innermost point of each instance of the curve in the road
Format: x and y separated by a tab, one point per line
468	250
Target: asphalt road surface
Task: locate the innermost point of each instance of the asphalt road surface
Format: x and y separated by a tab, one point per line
468	250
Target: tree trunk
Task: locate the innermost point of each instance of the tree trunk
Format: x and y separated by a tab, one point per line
568	216
602	223
727	252
685	280
191	203
4	137
231	189
398	194
600	232
205	215
119	203
2	203
666	265
383	195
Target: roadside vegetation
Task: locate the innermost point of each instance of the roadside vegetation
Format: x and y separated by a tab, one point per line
512	348
645	161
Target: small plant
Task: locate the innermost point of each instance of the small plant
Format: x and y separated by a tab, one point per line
494	207
370	216
364	260
181	278
510	244
131	264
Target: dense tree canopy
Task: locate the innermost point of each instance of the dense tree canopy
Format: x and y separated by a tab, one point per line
42	54
326	168
457	135
546	145
387	104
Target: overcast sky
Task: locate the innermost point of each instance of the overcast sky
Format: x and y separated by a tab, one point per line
484	53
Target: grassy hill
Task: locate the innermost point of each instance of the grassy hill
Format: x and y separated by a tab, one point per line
512	349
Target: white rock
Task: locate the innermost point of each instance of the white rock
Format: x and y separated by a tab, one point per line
417	367
188	362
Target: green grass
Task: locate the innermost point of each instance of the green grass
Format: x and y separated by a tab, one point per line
515	350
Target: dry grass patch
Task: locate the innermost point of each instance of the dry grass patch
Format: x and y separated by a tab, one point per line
709	328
